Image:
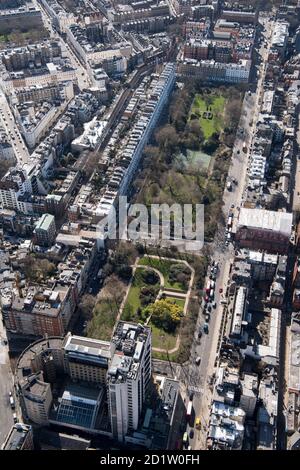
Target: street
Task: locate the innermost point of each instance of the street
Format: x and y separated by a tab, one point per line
6	386
199	379
82	75
8	123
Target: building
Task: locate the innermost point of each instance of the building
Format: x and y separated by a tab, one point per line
94	373
294	356
261	229
239	313
13	19
215	72
128	377
249	392
226	427
45	230
88	359
267	412
20	437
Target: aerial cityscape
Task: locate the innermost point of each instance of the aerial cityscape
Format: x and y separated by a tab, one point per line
150	225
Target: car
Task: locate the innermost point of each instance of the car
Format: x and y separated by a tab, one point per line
226	243
15	418
191	433
232	206
209	308
220	290
10	394
214	305
206	299
207	318
191	396
199	333
205	328
198	361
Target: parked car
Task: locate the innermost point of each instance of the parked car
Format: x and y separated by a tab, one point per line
214	305
15	418
191	433
209	308
207	318
199	333
198	361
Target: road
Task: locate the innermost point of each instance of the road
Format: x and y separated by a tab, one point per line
199	379
83	78
8	123
6	386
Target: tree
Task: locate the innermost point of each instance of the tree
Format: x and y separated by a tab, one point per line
86	306
164	314
167	138
233	111
37	269
124	271
150	277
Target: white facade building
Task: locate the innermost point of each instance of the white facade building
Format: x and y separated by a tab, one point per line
128	377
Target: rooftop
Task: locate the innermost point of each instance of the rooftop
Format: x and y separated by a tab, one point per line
268	220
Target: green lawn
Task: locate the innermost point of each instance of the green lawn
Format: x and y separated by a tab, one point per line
215	104
133	302
161	339
177	301
163	265
102	324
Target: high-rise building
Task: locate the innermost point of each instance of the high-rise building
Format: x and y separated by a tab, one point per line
128	377
45	230
20	437
104	382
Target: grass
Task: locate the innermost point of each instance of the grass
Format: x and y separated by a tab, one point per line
163	266
133	302
102	324
216	104
161	339
179	302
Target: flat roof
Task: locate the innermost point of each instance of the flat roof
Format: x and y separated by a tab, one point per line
78	345
268	220
44	222
16	437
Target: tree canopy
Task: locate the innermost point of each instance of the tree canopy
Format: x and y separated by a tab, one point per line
165	314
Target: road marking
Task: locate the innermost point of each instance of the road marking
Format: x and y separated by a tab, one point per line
195	389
